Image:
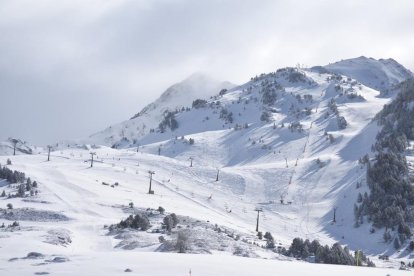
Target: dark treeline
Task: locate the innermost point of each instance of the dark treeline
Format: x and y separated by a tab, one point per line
11	176
169	121
336	254
16	177
391	199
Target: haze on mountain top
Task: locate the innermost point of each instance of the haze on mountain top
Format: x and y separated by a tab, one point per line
70	68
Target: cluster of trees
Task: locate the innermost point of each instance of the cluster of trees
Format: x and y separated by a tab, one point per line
241	126
199	103
405	265
266	116
11	176
24	185
308	98
342	123
13	225
168	121
29	186
226	115
180	244
170	221
269	96
223	91
391	199
261	76
293	75
296	126
334	77
336	254
270	241
139	222
268	92
352	96
332	106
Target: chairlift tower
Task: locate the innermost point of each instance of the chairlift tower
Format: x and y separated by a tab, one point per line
151	192
48	152
92	154
258	210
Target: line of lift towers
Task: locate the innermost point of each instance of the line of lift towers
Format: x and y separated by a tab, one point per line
151	173
151	191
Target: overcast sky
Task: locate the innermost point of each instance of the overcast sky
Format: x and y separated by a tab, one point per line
71	68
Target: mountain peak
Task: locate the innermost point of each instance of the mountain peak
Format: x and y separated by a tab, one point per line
381	74
177	96
198	76
181	94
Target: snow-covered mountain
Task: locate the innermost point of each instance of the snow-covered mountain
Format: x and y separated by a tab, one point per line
176	97
381	74
196	86
284	125
295	144
348	77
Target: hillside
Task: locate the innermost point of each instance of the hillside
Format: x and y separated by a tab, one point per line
382	74
294	135
22	147
176	97
295	143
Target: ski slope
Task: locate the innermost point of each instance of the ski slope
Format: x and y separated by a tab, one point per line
69	186
297	177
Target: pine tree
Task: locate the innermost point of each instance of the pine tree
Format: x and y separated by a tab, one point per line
28	184
397	243
387	236
270	243
305	252
168	223
161	210
21	191
359	200
411	246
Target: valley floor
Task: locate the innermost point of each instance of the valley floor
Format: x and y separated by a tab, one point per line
161	264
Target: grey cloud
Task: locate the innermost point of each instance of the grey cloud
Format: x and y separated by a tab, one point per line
70	68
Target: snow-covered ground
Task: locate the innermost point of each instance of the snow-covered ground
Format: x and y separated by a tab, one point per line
157	264
69	187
